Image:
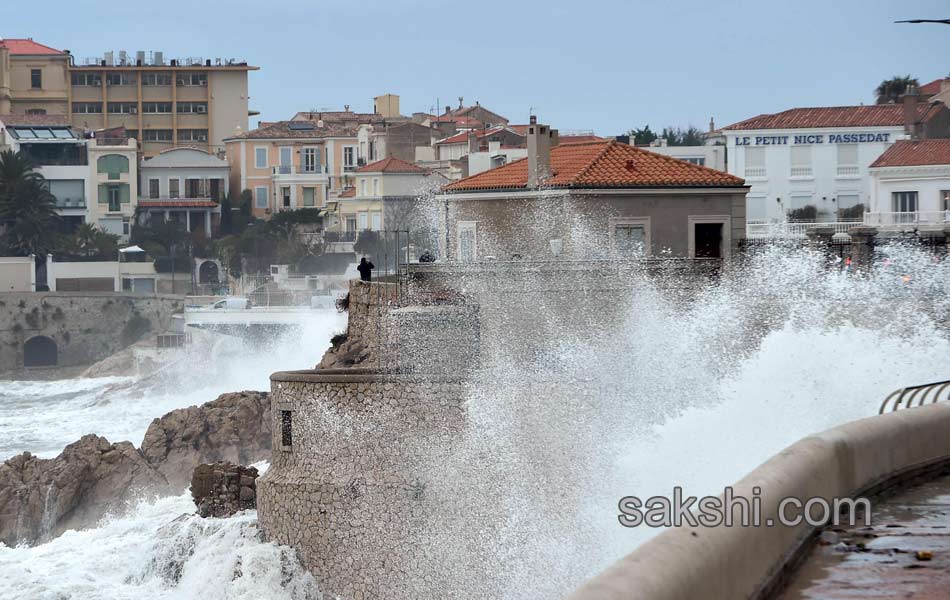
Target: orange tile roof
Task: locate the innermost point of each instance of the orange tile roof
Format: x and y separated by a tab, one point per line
872	115
27	46
391	165
929	89
594	165
462	136
908	153
349	192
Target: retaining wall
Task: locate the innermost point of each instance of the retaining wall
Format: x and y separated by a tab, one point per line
728	563
86	326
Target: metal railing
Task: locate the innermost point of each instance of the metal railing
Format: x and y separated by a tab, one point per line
916	217
915	395
298	169
763	229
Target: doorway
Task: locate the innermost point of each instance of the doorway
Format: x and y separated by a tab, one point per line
708	239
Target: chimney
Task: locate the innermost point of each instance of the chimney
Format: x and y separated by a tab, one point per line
472	142
541	139
712	125
911	96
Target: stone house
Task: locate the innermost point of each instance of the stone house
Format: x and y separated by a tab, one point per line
593	200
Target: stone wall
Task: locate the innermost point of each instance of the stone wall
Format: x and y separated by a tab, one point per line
353	453
86	327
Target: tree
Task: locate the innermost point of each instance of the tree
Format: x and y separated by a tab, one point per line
27	208
90	243
890	90
691	136
642	137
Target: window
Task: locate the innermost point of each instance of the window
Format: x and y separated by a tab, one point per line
155	108
377	221
192	79
755	209
349	157
192	107
86	79
285	155
905	202
260	158
157	135
260	197
696	160
36	78
157	79
944	199
87	107
285	196
286	429
113	164
849	206
351	223
153	187
173	185
375	186
196	188
755	162
848	159
192	135
363	221
467	246
36	111
372	150
800	161
630	238
114	195
362	186
123	108
115	202
310	160
120	79
309	196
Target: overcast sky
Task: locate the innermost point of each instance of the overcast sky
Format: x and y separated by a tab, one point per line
601	65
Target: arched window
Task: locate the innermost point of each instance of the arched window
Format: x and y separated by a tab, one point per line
40	351
208	272
113	164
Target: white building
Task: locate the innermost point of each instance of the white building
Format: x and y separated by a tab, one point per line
93	180
812	163
712	154
186	185
494	156
911	186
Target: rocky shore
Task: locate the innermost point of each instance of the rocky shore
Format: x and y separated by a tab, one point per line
41	498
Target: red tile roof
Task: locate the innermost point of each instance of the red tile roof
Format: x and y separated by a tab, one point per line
908	153
872	115
295	130
594	165
349	192
576	139
177	203
929	89
391	165
27	46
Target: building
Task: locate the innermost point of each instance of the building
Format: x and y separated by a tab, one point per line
400	139
186	185
93	180
592	200
293	164
163	104
911	186
493	156
812	163
383	197
33	78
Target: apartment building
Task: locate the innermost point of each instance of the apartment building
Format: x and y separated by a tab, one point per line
293	164
33	78
185	185
162	103
93	180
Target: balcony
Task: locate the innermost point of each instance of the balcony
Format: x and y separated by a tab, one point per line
909	219
299	169
800	172
755	171
62	203
848	171
893	221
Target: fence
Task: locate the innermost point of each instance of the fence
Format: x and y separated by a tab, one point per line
920	394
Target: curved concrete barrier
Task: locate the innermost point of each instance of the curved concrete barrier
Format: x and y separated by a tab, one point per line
728	563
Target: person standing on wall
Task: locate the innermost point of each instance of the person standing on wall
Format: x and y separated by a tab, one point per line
366	269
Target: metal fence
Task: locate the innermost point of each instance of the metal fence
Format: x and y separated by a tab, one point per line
916	395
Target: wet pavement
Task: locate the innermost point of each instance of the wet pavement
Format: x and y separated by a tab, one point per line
905	553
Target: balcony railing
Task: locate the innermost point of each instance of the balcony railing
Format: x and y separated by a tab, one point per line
70	203
844	171
885	219
755	171
300	169
800	172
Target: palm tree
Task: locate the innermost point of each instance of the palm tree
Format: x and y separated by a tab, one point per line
892	89
27	208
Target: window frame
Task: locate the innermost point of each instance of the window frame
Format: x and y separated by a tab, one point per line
644	222
257	197
466	227
257	162
36	79
176	194
158	187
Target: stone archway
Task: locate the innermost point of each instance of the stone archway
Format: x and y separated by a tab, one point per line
208	272
40	351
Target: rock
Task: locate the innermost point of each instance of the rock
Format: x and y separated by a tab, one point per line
41	498
207	479
233	428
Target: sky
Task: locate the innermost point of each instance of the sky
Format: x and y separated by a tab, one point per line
597	65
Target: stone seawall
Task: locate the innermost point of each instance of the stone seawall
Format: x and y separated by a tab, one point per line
84	327
353	453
